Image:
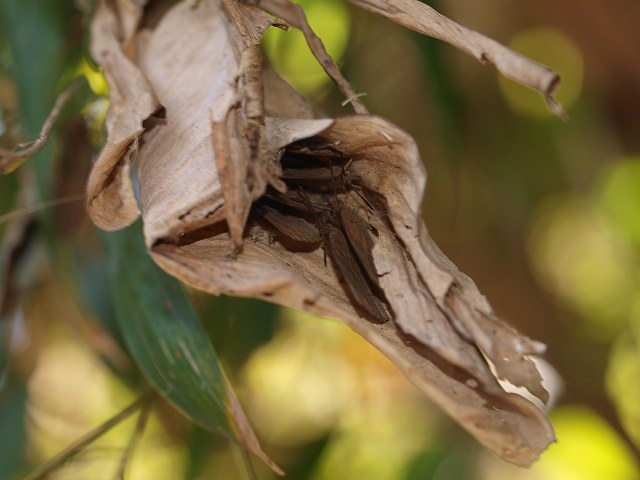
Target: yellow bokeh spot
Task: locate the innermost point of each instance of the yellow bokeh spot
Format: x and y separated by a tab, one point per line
620	197
554	49
95	78
72	391
288	51
588	448
299	372
623	372
579	257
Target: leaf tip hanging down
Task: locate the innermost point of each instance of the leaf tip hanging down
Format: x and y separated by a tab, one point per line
553	105
244	431
422	18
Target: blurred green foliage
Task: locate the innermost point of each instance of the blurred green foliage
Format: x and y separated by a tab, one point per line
543	215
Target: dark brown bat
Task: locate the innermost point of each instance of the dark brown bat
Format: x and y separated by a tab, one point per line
292	227
342	255
312	176
355	229
345	262
357	232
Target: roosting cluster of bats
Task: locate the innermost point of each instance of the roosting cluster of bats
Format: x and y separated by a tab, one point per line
312	213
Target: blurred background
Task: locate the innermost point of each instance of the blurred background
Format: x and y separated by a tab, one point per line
543	215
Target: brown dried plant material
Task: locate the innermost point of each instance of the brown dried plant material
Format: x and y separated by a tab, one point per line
442	333
422	18
12	159
180	186
441	349
245	164
293	14
111	202
185	65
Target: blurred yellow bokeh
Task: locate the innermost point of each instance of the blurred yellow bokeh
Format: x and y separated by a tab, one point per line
288	51
575	250
552	48
588	449
72	391
623	372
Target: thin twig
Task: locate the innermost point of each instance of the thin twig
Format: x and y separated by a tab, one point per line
421	18
11	159
293	14
29	209
246	461
49	466
135	437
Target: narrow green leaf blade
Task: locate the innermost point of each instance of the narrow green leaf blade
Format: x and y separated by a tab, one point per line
163	333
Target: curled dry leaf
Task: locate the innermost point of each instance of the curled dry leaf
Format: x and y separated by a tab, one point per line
440	349
422	18
436	326
111	202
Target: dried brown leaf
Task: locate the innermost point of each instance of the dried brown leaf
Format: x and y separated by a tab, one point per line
245	163
111	202
186	63
193	184
435	348
293	14
179	182
422	18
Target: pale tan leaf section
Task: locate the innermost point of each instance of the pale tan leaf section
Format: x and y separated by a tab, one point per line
111	202
243	429
246	166
441	324
422	18
186	65
454	299
189	61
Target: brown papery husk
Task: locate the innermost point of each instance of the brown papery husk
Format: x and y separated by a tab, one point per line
435	348
443	332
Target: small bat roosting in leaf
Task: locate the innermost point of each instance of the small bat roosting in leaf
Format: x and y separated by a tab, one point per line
294	228
341	251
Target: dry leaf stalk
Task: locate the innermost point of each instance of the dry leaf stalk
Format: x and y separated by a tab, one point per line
12	159
424	19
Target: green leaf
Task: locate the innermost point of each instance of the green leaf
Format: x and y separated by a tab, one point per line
36	34
163	334
13	401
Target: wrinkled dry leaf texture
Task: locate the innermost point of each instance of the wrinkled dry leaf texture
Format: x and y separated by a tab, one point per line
437	351
189	62
180	187
245	163
111	202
